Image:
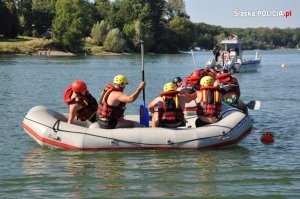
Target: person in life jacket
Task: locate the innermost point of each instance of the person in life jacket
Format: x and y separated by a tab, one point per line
167	108
191	83
230	89
112	104
81	103
209	101
177	81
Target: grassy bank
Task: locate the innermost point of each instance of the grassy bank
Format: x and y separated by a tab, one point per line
22	45
40	46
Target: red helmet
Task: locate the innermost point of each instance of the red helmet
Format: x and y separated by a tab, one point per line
79	86
196	73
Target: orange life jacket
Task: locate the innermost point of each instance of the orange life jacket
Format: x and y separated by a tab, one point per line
171	111
106	111
210	103
88	102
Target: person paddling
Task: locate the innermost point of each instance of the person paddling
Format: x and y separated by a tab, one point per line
112	104
81	103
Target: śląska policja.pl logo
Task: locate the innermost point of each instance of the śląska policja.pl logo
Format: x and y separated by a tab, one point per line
262	13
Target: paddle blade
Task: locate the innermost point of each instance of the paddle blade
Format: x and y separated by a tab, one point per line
253	105
144	116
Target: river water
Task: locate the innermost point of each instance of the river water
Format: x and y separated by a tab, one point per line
250	170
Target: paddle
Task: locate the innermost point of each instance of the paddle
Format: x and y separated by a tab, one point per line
194	58
253	105
144	113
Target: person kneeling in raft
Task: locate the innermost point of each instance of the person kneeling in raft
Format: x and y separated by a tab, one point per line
81	103
209	101
167	109
112	104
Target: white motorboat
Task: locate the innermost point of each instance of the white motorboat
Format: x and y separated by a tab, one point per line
232	57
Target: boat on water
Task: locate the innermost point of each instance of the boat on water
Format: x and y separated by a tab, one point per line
50	128
232	57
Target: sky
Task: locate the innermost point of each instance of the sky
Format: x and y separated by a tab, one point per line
245	13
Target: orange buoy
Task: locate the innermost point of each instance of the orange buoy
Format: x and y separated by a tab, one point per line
267	138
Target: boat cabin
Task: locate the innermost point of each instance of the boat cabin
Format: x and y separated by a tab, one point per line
233	46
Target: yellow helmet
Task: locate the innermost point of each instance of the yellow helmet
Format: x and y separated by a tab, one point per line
120	79
207	81
169	87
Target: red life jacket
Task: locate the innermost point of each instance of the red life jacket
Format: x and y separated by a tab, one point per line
209	71
210	104
227	83
88	102
171	111
192	80
106	111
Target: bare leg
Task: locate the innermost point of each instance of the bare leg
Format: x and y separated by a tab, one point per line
123	123
154	120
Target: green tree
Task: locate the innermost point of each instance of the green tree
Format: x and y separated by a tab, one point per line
43	12
99	32
185	31
8	19
72	23
114	41
25	10
103	9
139	19
175	8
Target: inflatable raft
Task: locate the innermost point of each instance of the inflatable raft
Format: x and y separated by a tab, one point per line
50	128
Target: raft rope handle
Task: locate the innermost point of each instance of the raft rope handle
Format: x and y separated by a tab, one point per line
125	141
220	117
56	124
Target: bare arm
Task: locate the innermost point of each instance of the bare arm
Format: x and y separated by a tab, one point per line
190	97
73	109
199	96
216	83
131	98
152	104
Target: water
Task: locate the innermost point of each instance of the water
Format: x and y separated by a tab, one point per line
248	171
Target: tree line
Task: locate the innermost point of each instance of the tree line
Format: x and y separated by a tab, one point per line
119	25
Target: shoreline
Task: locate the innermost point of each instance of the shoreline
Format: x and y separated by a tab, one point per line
58	53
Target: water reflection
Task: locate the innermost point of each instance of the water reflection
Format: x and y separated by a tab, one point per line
73	174
157	173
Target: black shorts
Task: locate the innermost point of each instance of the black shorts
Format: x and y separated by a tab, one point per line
174	125
200	123
93	119
109	124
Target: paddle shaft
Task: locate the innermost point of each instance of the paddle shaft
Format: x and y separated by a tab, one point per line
143	73
194	58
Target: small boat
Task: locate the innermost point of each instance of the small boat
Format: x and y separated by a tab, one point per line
232	57
50	128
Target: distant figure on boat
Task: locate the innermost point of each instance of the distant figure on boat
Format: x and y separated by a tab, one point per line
167	108
209	101
112	104
81	103
216	53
